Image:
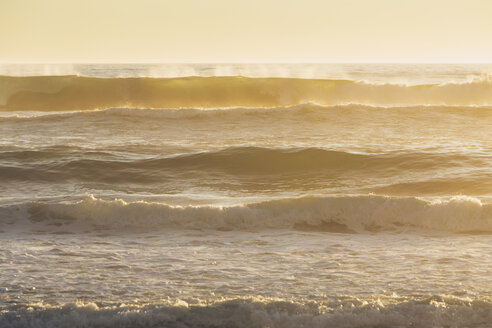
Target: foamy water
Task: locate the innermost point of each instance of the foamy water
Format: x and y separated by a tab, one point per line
230	195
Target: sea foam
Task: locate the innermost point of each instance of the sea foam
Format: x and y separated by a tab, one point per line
338	214
434	311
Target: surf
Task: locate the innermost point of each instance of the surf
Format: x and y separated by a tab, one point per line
343	214
59	93
428	311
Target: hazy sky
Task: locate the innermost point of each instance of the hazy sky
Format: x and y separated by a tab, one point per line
246	31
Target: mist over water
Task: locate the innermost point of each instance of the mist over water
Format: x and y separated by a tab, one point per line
258	195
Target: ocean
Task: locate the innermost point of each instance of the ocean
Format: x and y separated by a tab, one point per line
246	195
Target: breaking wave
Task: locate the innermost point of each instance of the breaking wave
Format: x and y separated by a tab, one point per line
55	93
428	312
337	214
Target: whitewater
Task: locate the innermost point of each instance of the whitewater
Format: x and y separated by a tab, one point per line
246	195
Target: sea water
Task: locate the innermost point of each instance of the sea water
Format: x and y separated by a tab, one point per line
246	195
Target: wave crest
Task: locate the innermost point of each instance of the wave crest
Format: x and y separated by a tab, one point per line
258	163
337	214
301	112
54	93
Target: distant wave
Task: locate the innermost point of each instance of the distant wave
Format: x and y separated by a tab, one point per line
58	164
426	312
301	112
337	214
55	93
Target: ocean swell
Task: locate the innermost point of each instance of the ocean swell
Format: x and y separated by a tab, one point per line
306	112
58	164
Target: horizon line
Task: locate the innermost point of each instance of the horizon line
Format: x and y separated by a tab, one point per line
234	62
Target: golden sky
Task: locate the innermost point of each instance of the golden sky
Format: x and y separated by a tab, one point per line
245	31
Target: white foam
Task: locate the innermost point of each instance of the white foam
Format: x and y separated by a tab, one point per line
356	213
435	311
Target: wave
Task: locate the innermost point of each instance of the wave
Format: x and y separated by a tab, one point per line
55	93
347	214
307	112
57	164
427	312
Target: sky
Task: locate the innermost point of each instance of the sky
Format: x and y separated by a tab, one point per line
138	31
